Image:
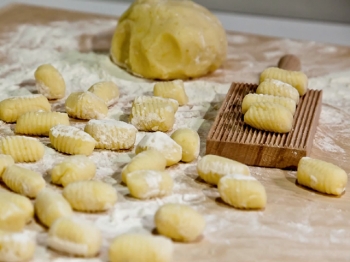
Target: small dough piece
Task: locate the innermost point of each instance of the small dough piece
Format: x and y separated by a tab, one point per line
321	176
12	218
39	123
278	88
22	148
296	79
11	108
179	222
5	161
172	89
144	184
269	117
75	237
251	99
150	159
211	168
111	134
23	181
160	141
141	248
50	82
241	191
71	140
16	247
153	113
106	90
189	141
24	204
72	169
86	105
50	205
90	196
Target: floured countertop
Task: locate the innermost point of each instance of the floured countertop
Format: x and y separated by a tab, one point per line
297	224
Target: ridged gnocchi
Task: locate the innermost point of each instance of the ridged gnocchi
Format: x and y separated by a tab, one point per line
277	88
140	248
164	144
11	108
111	134
189	141
50	205
107	90
75	237
23	181
71	140
144	184
211	168
5	161
241	191
86	105
21	148
12	217
16	247
321	176
39	123
179	222
269	117
72	169
50	82
90	196
172	89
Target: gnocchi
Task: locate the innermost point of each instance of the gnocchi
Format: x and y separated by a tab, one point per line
50	82
16	247
172	89
277	88
189	141
106	90
5	161
12	218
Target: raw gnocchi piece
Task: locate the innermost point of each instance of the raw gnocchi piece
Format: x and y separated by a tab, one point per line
179	222
39	123
189	141
71	140
21	148
211	168
12	218
277	88
111	134
160	141
86	105
153	113
50	205
141	248
11	108
296	79
24	204
144	184
241	191
106	90
149	159
23	181
50	82
172	89
269	117
251	99
72	169
5	161
321	176
90	196
16	247
75	237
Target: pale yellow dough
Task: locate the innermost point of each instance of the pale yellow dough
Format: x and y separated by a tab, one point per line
5	161
278	88
171	89
169	40
189	141
12	218
50	82
106	90
16	247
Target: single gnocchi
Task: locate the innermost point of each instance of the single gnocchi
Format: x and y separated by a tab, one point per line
12	217
211	168
107	90
86	105
5	161
72	169
277	88
172	89
22	202
11	108
71	140
90	196
269	117
111	134
189	141
23	181
179	222
241	191
141	248
75	236
39	123
50	82
16	247
50	205
160	141
144	184
321	176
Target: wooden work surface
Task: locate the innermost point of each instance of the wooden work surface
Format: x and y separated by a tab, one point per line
297	224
